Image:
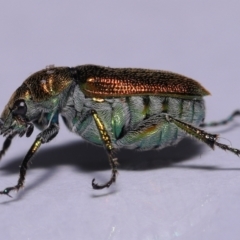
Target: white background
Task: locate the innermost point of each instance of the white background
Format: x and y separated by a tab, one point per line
183	192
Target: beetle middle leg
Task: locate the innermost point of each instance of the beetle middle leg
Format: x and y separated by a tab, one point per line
45	136
108	145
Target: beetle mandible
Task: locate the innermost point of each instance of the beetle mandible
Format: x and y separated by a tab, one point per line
112	107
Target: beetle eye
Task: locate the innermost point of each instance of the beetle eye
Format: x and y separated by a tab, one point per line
19	108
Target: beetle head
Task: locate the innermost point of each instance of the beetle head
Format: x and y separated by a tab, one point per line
38	94
14	118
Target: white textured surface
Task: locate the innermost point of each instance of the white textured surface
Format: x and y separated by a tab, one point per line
185	192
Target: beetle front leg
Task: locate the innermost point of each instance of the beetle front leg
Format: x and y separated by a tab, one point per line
6	144
108	145
45	136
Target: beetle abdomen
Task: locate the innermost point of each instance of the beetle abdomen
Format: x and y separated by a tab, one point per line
135	122
148	127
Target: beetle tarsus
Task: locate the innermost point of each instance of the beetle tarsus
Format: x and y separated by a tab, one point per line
106	185
227	148
6	191
113	164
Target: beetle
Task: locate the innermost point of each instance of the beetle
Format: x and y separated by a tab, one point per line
113	107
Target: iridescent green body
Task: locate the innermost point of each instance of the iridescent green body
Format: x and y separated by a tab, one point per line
128	119
113	107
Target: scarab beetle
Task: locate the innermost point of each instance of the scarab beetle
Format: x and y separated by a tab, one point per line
113	107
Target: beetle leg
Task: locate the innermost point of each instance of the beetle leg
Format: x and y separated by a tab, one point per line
209	139
49	133
223	122
6	144
23	168
45	136
108	145
133	138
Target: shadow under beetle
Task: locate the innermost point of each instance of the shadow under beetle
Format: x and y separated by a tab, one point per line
112	107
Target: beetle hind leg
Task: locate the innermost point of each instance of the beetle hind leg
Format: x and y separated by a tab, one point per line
108	145
227	148
209	139
223	122
113	163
